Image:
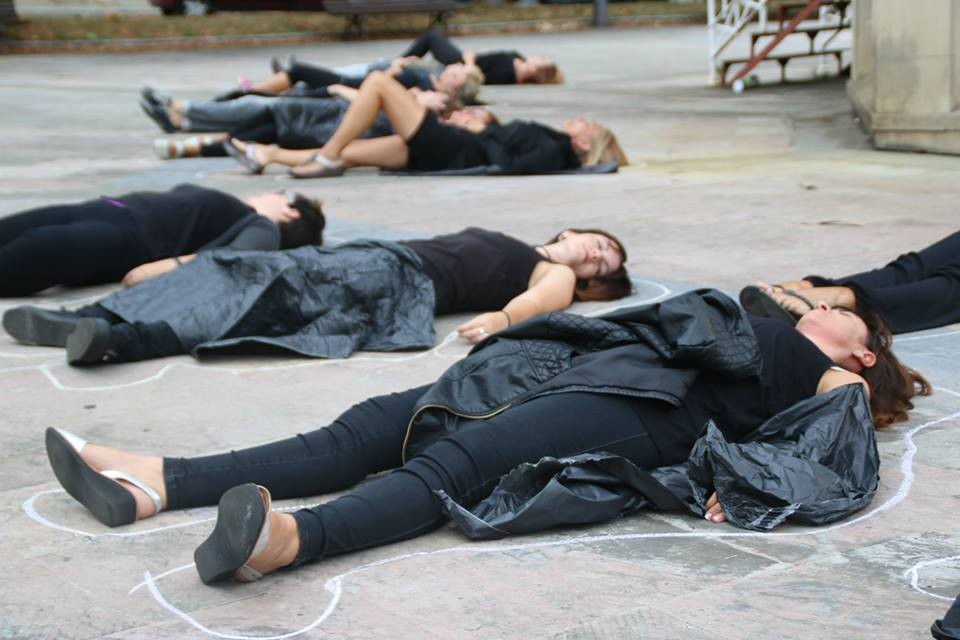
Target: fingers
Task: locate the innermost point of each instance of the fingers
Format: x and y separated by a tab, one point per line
714	512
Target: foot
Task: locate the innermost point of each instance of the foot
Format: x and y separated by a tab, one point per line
282	547
255	157
92	341
35	326
147	469
319	166
248	539
116	487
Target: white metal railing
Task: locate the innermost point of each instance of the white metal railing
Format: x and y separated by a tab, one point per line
725	20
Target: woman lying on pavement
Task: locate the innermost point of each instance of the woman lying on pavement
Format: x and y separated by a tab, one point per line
292	123
378	296
144	233
457	81
421	143
498	67
640	384
918	290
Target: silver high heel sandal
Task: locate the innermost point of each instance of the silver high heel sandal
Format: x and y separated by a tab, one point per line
242	532
98	491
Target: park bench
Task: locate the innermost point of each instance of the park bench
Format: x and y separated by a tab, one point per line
356	11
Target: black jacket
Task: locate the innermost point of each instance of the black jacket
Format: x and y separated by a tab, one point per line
315	301
815	462
654	351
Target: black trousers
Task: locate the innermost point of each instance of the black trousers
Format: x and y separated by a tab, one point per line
75	244
432	41
401	504
918	290
319	76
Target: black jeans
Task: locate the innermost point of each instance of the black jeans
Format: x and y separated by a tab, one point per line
399	505
75	244
916	291
319	76
432	41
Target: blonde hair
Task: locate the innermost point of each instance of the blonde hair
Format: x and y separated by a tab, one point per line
604	148
467	94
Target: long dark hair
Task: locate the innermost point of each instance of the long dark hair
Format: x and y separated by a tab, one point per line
612	286
892	384
308	228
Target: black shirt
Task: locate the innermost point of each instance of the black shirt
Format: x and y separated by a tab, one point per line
497	67
528	146
188	218
475	269
790	372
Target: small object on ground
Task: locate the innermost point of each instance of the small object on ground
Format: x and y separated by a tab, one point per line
742	84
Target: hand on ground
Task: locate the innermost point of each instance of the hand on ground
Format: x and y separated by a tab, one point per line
714	510
480	327
147	271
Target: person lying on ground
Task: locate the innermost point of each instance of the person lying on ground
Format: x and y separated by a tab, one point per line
466	458
144	233
175	115
498	67
918	290
458	82
421	143
328	302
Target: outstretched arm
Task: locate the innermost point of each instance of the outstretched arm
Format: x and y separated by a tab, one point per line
149	270
551	289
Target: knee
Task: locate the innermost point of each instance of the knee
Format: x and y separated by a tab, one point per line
377	79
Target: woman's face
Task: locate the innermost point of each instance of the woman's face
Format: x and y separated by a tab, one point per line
452	78
582	130
840	333
594	254
532	68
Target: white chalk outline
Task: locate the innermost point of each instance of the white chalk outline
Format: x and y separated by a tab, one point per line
334	585
46	368
913	573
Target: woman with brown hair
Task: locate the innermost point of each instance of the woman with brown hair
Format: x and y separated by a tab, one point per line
359	290
421	143
555	387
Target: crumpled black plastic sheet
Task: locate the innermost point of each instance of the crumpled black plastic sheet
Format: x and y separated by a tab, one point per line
815	463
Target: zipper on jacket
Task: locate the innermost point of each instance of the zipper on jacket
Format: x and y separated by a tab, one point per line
406	437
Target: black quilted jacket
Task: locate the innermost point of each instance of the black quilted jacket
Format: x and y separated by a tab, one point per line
653	351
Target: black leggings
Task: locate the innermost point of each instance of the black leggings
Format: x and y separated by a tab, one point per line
399	505
916	291
319	76
76	244
432	41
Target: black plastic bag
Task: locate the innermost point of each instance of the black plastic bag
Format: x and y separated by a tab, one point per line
816	462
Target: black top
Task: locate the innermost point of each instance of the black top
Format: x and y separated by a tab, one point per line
188	218
528	146
791	370
497	67
475	269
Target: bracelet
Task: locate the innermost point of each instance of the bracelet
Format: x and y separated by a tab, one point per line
509	319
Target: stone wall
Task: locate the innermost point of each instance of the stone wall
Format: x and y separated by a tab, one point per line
905	81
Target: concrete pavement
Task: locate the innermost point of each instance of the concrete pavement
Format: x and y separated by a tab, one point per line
723	189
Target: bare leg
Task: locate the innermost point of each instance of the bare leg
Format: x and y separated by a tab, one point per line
388	152
379	92
277	83
283	545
